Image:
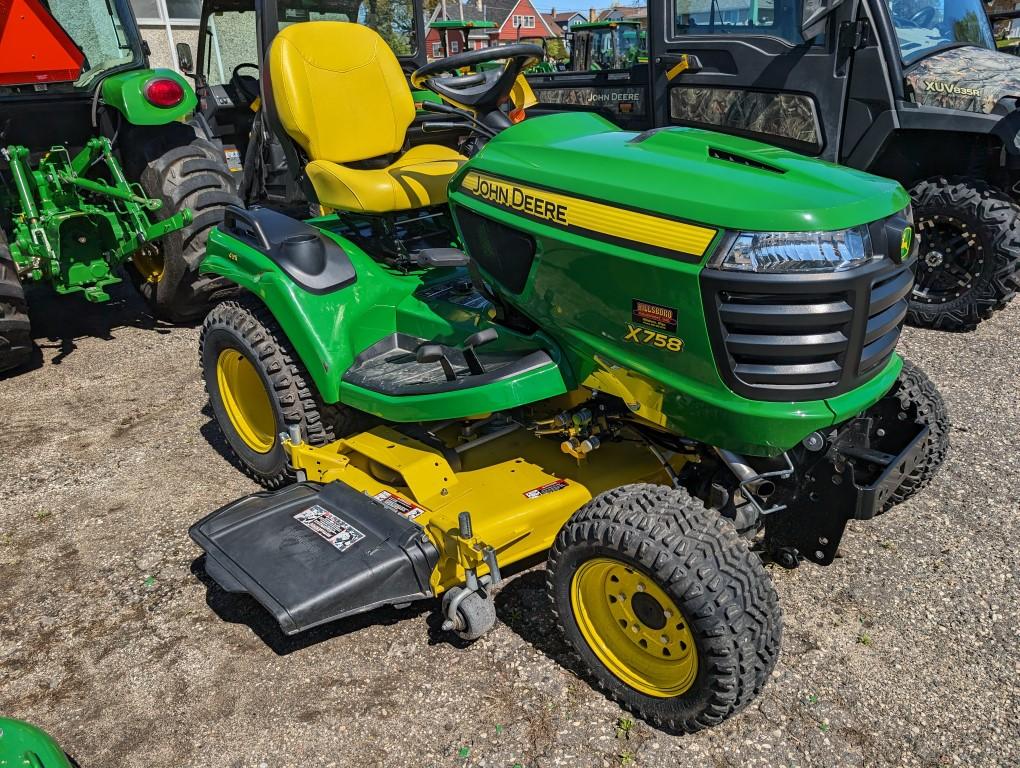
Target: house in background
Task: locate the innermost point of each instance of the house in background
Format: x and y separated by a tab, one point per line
514	19
637	13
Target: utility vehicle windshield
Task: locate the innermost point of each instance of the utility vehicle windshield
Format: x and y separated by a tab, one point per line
924	26
232	36
97	28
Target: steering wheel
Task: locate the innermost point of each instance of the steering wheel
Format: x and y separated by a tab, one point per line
483	91
246	86
924	17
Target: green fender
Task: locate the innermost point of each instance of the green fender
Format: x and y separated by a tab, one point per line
125	92
22	744
318	326
329	330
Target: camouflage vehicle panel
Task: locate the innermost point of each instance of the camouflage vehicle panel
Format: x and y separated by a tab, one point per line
970	79
787	115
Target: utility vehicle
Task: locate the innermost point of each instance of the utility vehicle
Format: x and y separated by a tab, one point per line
909	89
662	358
97	168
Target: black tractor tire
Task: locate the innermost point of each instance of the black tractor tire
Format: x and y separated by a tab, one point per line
194	176
245	328
705	568
921	401
15	327
969	230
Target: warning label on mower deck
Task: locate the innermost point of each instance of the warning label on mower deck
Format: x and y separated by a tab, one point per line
542	490
398	504
337	532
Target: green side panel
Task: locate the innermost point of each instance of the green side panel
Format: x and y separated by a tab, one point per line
124	92
687	173
22	744
329	330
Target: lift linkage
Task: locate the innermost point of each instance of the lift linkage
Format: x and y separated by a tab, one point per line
75	219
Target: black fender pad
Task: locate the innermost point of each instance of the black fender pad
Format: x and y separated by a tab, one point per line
311	554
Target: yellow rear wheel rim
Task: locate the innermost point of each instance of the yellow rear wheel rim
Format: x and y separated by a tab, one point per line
148	260
634	628
246	401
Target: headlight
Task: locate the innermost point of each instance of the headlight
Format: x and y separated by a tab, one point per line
789	252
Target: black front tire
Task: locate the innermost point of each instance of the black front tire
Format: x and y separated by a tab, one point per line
700	562
921	402
968	232
247	328
194	177
15	326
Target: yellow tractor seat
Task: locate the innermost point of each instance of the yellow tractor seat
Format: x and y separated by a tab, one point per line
340	94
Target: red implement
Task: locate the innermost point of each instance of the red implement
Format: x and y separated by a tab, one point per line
34	48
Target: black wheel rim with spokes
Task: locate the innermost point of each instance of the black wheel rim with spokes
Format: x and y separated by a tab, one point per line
949	261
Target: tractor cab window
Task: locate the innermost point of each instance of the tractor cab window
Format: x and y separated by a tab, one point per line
232	41
926	26
776	18
96	27
392	19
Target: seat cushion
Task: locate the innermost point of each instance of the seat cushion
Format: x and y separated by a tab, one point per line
417	179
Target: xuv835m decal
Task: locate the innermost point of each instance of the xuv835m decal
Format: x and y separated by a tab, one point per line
622	226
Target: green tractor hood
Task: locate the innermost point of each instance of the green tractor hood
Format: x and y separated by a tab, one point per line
690	174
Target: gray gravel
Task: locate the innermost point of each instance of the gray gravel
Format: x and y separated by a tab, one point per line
905	652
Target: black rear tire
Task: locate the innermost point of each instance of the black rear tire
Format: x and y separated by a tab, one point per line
920	401
705	568
15	326
194	176
247	328
968	232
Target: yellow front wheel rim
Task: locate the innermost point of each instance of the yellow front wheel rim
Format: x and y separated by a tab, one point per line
634	628
246	401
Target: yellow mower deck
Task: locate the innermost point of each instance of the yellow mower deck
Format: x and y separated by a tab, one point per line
517	506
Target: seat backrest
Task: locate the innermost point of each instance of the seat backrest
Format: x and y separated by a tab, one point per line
338	91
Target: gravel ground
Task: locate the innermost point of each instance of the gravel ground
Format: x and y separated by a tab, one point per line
904	652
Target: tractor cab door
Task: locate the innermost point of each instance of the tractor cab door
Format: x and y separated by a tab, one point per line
749	67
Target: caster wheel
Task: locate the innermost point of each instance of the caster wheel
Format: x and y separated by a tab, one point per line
476	615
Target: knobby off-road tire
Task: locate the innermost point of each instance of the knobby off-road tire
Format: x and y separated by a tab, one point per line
194	176
696	559
920	401
15	327
245	329
968	231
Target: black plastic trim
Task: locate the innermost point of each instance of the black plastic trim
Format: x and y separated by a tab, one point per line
797	337
309	258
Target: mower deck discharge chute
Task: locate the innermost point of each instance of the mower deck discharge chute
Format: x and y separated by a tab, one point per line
579	340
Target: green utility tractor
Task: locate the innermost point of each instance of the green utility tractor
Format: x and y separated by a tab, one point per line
599	45
96	168
456	31
913	90
658	359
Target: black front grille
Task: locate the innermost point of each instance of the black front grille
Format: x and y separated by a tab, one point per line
804	337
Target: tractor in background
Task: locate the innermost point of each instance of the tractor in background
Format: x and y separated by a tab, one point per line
98	168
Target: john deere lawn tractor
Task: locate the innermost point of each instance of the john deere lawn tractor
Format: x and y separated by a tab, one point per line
97	169
914	90
659	359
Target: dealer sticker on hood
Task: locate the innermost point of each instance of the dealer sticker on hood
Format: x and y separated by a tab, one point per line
337	532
